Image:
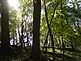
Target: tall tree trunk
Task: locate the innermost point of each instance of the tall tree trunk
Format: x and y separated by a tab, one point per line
36	30
5	43
4	24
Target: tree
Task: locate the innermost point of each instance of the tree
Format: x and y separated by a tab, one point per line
50	32
14	21
4	24
26	15
36	30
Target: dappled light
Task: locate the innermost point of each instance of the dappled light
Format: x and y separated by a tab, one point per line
35	30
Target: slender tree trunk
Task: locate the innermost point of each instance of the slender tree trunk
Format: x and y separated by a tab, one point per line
22	26
19	34
50	31
36	30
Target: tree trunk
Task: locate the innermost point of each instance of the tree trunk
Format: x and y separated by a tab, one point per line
36	30
50	32
20	35
5	43
4	24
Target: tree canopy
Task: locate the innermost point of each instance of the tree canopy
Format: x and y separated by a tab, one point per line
50	28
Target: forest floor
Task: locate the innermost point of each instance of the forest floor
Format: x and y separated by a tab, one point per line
24	54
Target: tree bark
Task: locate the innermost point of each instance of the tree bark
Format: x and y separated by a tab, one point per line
4	24
5	42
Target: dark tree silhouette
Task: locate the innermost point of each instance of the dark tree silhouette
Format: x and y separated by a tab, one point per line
4	25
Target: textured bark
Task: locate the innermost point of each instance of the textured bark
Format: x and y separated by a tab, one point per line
36	30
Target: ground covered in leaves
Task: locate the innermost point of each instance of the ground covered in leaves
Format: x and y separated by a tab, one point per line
24	54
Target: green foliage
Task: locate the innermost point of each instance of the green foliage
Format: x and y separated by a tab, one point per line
63	23
25	7
14	22
62	19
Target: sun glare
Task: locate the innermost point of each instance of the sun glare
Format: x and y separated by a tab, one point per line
13	3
